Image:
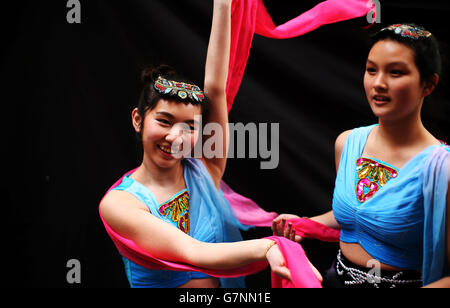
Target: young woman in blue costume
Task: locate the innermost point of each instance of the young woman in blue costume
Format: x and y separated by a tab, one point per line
173	207
391	199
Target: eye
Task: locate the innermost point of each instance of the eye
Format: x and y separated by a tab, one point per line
397	72
163	121
371	70
190	130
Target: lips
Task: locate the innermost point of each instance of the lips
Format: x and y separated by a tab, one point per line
167	149
381	99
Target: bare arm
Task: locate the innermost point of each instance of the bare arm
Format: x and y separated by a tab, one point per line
339	146
328	218
216	74
128	217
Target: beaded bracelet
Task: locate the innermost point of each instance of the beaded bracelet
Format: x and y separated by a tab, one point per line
269	246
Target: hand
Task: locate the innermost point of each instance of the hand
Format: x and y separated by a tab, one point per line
278	227
278	264
316	272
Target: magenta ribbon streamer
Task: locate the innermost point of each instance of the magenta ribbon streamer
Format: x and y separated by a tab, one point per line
250	17
248	213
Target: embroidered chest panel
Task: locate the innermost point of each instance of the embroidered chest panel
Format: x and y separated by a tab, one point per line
177	210
372	175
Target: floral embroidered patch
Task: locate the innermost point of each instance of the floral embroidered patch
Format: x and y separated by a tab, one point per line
372	175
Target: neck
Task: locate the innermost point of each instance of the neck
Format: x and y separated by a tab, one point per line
150	174
402	132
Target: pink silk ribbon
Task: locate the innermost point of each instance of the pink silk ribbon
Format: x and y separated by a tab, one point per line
246	210
248	213
308	228
251	16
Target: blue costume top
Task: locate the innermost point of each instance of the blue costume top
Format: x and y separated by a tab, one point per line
397	216
200	210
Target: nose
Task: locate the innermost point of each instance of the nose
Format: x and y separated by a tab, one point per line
380	83
175	135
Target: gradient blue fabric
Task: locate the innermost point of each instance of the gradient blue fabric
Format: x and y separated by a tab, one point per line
402	224
211	220
436	175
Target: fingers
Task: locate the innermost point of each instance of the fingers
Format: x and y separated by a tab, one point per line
292	235
285	216
283	272
278	228
298	238
289	233
316	272
287	230
279	224
274	227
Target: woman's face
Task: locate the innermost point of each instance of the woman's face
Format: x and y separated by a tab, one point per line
392	81
169	131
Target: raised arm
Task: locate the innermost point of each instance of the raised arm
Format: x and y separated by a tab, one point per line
216	74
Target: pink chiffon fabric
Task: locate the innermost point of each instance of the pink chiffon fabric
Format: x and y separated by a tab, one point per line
248	213
251	16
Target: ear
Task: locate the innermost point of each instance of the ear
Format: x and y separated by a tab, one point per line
136	120
430	85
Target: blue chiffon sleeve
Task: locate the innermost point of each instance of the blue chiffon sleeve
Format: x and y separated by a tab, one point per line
435	184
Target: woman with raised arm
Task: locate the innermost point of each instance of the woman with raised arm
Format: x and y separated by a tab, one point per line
391	199
171	207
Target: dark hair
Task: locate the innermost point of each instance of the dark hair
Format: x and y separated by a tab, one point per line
426	50
149	97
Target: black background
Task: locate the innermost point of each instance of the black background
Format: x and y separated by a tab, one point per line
68	90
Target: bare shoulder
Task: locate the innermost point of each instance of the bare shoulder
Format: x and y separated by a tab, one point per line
120	198
339	146
340	141
117	205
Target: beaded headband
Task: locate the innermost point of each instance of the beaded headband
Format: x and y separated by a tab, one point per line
179	89
412	32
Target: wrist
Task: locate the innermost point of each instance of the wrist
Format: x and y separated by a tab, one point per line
268	245
226	3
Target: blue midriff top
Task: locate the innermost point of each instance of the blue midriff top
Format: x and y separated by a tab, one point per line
200	210
139	276
387	223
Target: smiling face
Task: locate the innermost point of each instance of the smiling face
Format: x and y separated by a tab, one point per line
392	81
169	131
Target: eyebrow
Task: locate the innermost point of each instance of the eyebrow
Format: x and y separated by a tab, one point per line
166	114
172	117
391	63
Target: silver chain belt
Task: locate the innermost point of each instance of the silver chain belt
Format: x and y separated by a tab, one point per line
360	277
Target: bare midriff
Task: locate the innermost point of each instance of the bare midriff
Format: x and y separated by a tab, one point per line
356	254
210	282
